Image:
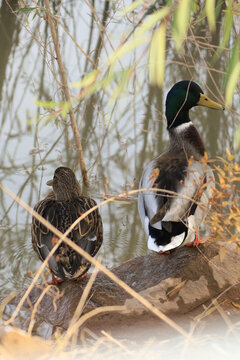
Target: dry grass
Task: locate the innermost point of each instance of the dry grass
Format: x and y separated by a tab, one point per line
225	203
63	237
224	219
223	223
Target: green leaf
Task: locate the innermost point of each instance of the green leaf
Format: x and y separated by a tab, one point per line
88	80
152	20
237	139
232	83
181	22
128	47
227	28
131	7
140	37
48	104
210	11
157	56
122	82
228	22
26	10
208	312
232	62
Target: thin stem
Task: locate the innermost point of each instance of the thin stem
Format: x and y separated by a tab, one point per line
67	94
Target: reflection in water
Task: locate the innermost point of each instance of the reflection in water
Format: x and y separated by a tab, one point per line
118	138
9	29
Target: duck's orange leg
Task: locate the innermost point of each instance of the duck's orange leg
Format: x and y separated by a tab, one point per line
196	240
82	277
54	280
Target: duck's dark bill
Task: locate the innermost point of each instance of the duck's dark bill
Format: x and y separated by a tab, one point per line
207	102
49	182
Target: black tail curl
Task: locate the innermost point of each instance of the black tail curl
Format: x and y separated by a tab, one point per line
169	229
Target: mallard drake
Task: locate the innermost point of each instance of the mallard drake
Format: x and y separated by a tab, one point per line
61	208
172	215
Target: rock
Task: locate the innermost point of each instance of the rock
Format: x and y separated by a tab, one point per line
174	283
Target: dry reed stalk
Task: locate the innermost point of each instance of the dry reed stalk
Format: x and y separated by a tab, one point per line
34	311
70	331
90	314
5	301
113	277
115	341
76	43
67	94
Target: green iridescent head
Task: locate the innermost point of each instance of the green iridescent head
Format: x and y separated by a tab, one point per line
181	98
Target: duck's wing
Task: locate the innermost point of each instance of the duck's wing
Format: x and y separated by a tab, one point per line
167	213
164	174
87	234
188	192
43	239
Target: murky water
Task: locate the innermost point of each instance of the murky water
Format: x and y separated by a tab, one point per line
118	137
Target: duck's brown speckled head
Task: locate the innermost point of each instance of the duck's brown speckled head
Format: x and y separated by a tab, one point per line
65	184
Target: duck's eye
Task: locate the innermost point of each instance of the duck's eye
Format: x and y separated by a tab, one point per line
206	99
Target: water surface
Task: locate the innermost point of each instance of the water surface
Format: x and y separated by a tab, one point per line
119	137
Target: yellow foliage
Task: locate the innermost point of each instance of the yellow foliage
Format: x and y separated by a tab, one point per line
224	218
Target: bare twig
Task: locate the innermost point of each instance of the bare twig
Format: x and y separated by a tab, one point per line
111	275
67	94
79	309
115	341
34	312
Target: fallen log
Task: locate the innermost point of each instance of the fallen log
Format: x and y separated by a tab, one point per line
175	283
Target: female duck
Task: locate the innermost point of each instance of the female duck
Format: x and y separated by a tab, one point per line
61	208
171	215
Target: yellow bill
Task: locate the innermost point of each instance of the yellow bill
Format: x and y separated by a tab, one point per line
207	102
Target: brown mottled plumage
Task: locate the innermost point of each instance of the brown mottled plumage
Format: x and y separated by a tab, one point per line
61	208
